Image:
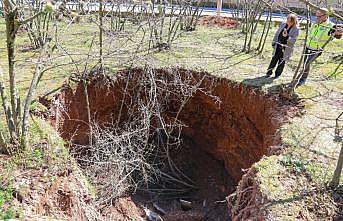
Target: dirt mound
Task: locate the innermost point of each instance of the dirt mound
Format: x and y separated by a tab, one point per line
64	195
220	22
223	136
61	195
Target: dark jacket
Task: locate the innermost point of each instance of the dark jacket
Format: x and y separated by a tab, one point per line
293	35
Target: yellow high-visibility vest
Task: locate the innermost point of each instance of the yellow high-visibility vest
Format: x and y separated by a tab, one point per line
319	35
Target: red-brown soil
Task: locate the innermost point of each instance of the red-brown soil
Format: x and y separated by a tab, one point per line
224	137
124	209
44	193
220	22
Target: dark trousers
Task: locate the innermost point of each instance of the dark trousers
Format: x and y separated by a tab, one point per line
309	57
277	59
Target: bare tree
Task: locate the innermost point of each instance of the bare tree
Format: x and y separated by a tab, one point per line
39	70
119	17
266	29
252	14
38	28
191	16
163	25
17	119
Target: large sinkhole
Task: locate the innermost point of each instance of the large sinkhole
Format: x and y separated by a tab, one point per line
206	130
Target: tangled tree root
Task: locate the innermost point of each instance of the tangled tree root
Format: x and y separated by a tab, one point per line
246	202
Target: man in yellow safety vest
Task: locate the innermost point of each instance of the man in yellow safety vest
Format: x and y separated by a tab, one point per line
319	36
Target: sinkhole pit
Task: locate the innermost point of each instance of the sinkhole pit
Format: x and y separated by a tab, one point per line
220	136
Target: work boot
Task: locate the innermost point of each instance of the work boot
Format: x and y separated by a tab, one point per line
301	82
269	73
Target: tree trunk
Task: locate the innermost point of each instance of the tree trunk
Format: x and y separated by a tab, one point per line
337	175
263	32
11	31
296	76
254	22
253	30
4	102
3	145
27	103
268	29
101	17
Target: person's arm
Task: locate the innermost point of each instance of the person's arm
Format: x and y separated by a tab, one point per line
292	37
336	31
332	30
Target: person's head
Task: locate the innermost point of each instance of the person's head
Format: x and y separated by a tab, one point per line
322	15
292	20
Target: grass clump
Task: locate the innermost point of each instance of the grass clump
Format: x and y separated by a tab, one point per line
45	148
298	165
270	175
7	210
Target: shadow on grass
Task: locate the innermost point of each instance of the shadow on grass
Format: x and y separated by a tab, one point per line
243	60
258	81
279	88
302	195
235	59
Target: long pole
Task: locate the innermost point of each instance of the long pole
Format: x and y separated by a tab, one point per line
219	7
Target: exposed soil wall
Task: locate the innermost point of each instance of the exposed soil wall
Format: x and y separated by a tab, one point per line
238	130
220	22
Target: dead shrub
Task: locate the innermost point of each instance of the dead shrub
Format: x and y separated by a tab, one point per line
133	150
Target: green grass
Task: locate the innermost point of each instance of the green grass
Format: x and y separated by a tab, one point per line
292	180
46	150
45	147
215	50
7	211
